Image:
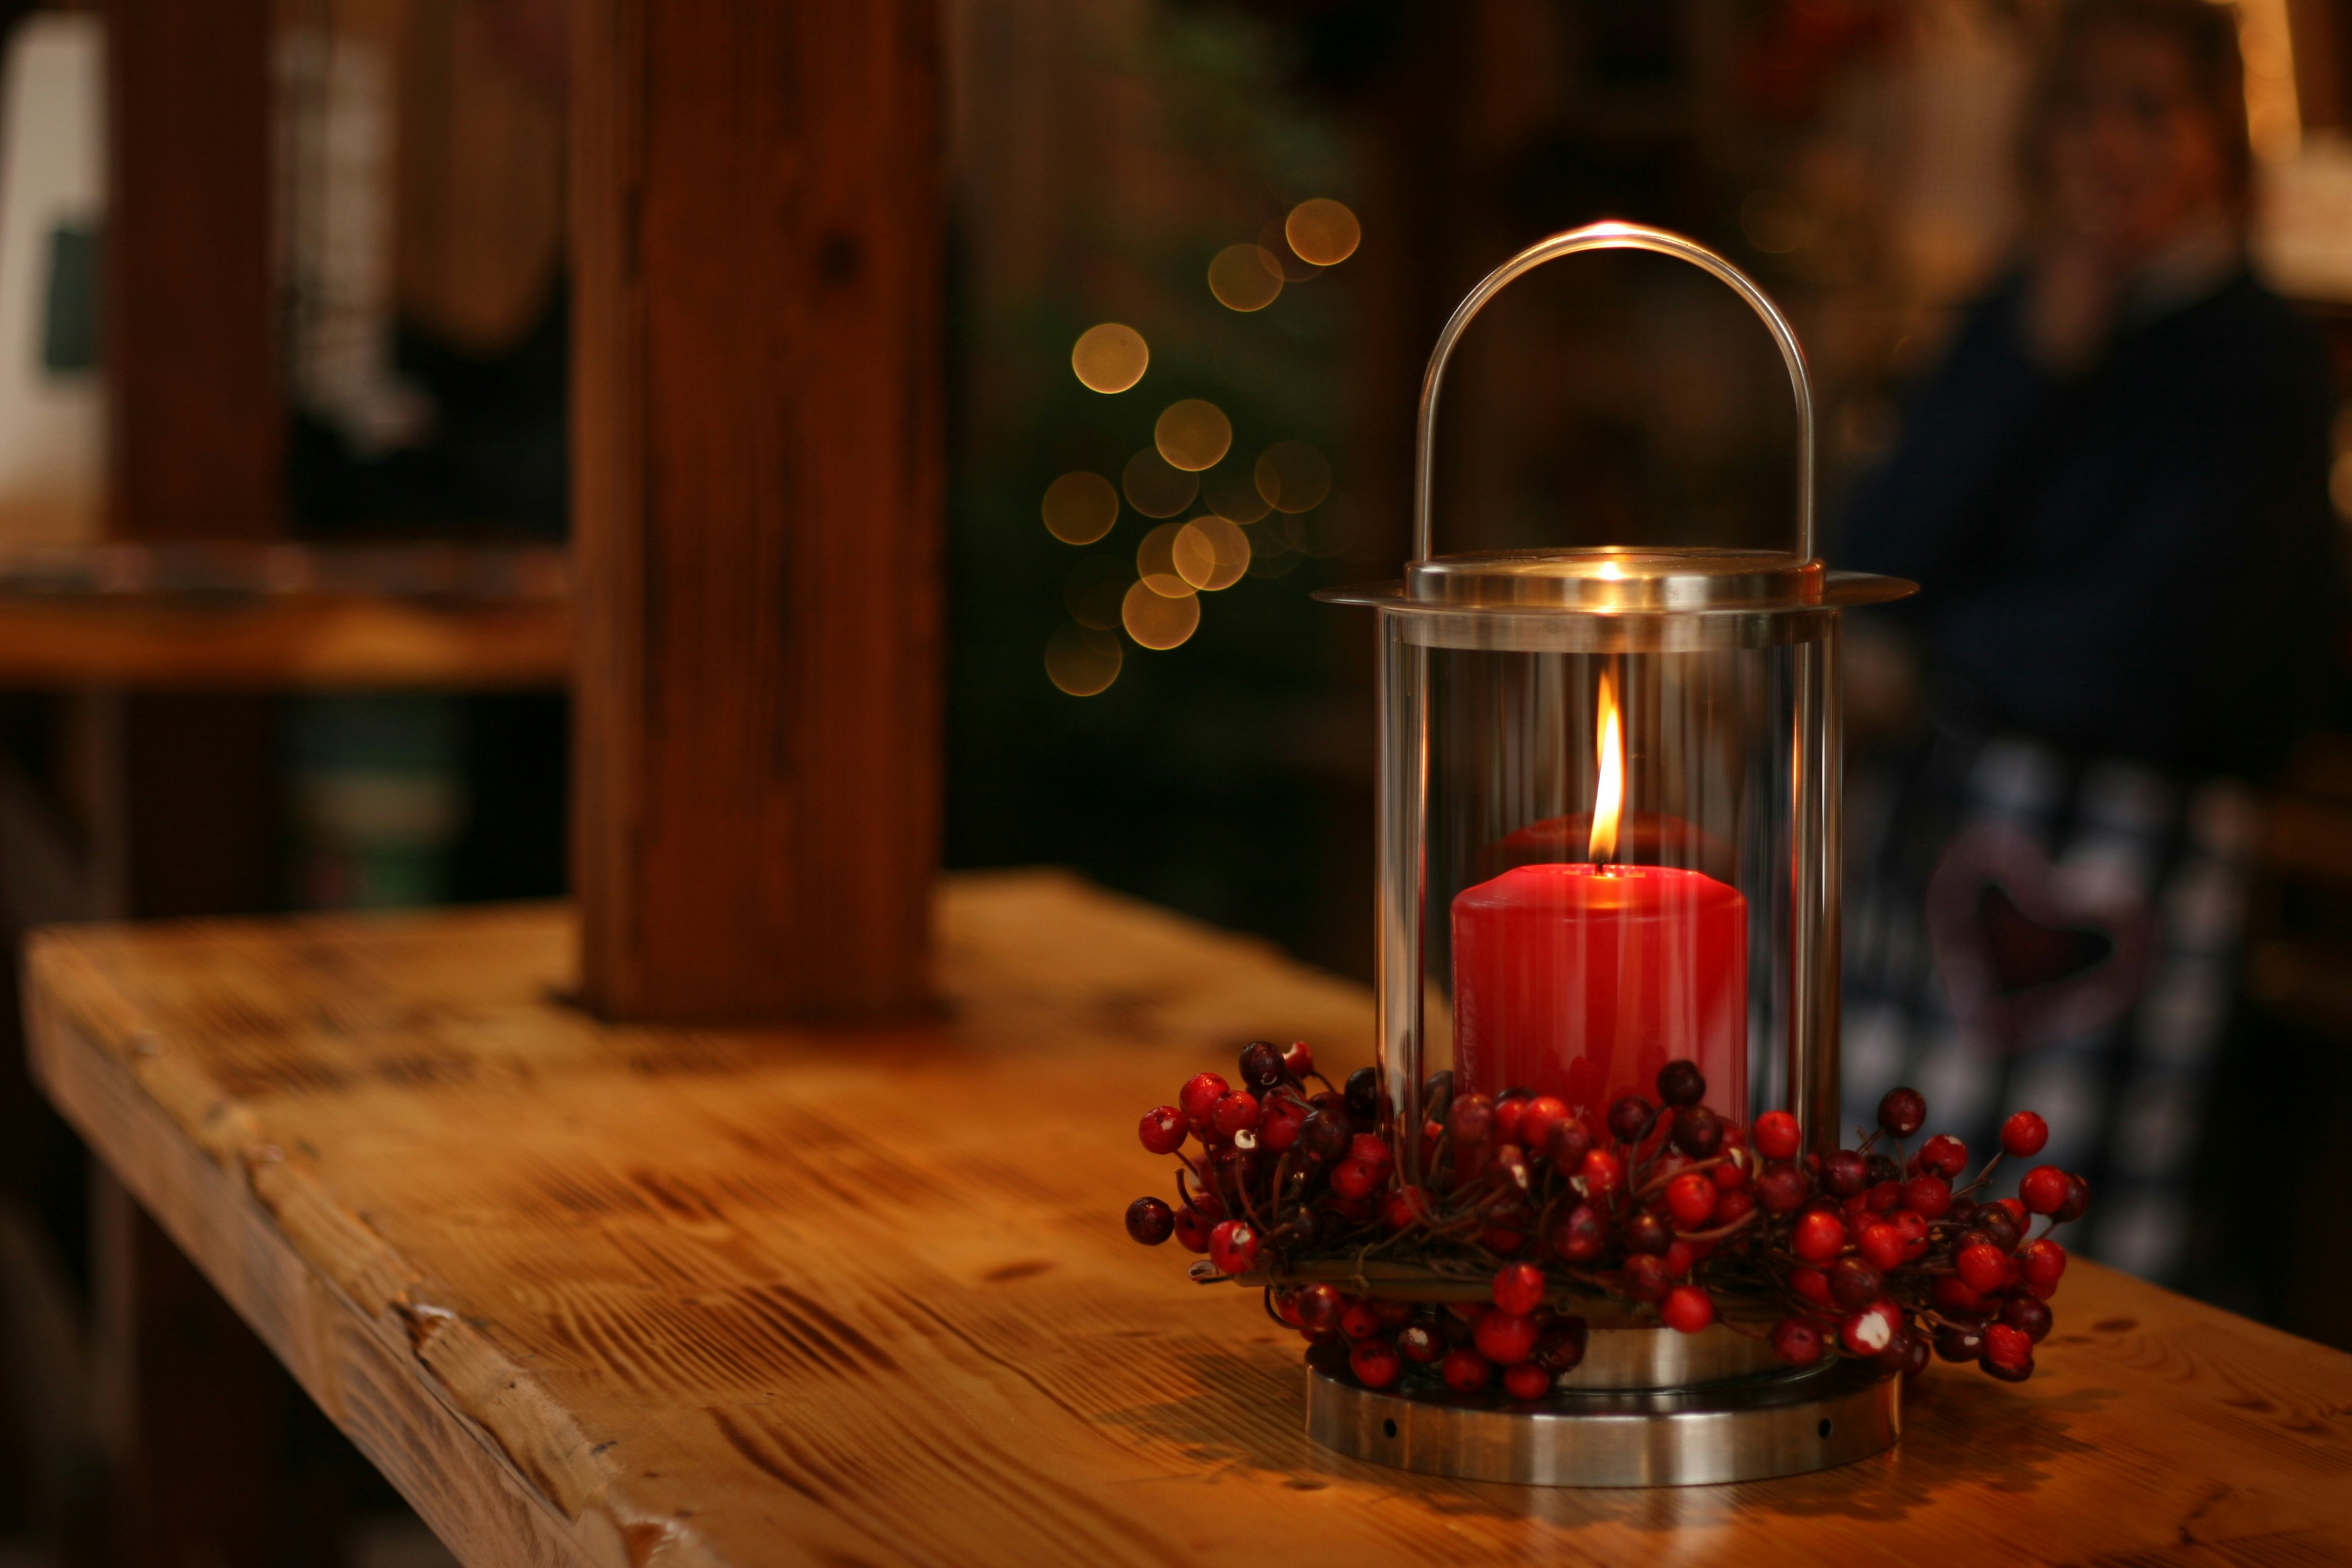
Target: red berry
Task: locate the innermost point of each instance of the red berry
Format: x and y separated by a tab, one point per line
1570	1140
1542	1117
1903	1111
1162	1130
1905	1353
2043	1189
1509	1111
1983	1267
1698	1131
1855	1284
1465	1370
2011	1350
1820	1236
1151	1221
1359	1321
1404	1207
1324	1134
2023	1134
1959	1339
1201	1094
1782	1189
1471	1121
1369	1149
1603	1174
1646	1278
1647	1231
1680	1082
1929	1196
1561	1346
1951	1294
1233	1245
1733	1171
1279	1130
1797	1342
1420	1342
1192	1230
1518	1288
1235	1112
1731	1205
1527	1381
1812	1284
1775	1135
1504	1338
1320	1306
1580	1237
1678	1259
2078	1200
1871	1330
1688	1308
1881	1244
2014	1224
1629	1118
1375	1364
1298	1060
1690	1198
1845	1174
1944	1155
1913	1231
2041	1263
1353	1179
2027	1317
1394	1315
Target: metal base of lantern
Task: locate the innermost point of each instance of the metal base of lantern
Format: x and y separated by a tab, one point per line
1777	1423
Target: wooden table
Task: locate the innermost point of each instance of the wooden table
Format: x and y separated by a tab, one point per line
605	1295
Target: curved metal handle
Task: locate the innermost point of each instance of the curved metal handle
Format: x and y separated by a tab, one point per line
1611	236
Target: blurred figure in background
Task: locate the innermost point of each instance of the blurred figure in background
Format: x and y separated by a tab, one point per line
2113	493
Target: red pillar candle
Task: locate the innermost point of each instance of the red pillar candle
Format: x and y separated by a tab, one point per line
1581	981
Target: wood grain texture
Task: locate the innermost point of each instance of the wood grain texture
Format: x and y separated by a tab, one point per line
609	1294
757	481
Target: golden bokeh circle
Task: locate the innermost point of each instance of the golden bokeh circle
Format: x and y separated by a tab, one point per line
1276	245
1111	357
1293	476
1211	552
1322	231
1192	435
1156	487
1095	587
1232	493
1156	622
1244	278
1080	507
1155	563
1081	661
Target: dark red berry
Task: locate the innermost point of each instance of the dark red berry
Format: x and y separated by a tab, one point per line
1629	1118
1960	1339
1855	1284
1797	1342
1364	1097
1162	1130
1405	1209
1320	1306
1151	1221
1882	1172
2077	1203
1906	1354
1647	1232
1688	1308
1261	1064
1323	1136
1375	1364
1944	1156
1570	1140
1192	1230
1510	1111
1698	1131
1504	1338
1527	1381
1951	1294
1354	1180
1731	1204
2028	1316
1680	1083
2023	1134
1201	1094
2041	1263
1580	1235
1903	1112
1812	1284
1646	1278
2002	1226
1465	1370
1298	1059
1928	1196
1782	1189
1470	1120
1845	1174
1561	1347
1420	1342
1776	1136
1543	1117
1359	1321
1518	1288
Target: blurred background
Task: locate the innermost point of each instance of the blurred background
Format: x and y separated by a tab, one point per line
1200	250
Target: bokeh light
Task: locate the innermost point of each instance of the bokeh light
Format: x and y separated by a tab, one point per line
1322	231
1156	487
1156	622
1232	493
1276	244
1192	435
1111	357
1211	553
1095	587
1155	563
1244	278
1271	555
1291	475
1080	507
1083	661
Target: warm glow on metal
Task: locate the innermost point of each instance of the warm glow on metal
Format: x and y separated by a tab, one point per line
1154	487
1244	278
1081	661
1156	622
1322	231
1293	476
1080	507
1211	553
1194	434
1609	796
1111	357
1155	563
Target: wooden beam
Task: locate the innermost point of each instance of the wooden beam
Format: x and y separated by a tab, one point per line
757	465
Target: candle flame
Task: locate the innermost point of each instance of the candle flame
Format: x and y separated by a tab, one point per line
1609	798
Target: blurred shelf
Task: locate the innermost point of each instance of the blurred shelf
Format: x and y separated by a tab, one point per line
286	617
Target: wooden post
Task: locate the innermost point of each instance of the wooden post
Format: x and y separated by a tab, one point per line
757	466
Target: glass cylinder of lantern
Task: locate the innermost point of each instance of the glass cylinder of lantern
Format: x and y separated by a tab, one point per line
1608	806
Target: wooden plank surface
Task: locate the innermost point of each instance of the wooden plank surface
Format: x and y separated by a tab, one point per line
606	1294
758	472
